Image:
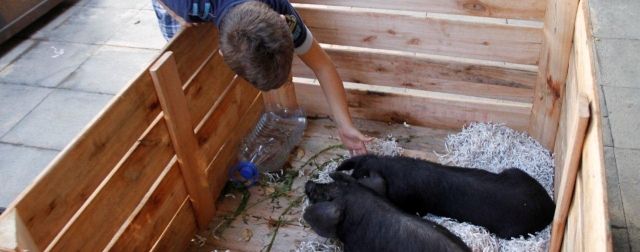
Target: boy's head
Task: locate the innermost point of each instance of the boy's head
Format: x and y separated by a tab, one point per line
257	44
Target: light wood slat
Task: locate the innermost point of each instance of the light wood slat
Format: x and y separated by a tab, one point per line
554	61
438	110
527	9
145	229
440	75
14	235
178	234
596	234
155	214
489	41
190	157
578	119
563	146
88	160
114	200
218	170
574	230
223	119
183	226
151	153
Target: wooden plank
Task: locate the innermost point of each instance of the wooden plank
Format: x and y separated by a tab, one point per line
488	41
578	120
124	188
218	170
14	235
146	226
219	124
596	232
432	110
573	238
141	234
562	144
51	201
178	234
176	114
589	230
554	62
527	9
397	69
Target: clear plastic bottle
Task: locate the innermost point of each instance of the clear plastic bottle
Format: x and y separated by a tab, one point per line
279	130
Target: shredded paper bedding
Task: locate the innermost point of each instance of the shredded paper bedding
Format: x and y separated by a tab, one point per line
488	146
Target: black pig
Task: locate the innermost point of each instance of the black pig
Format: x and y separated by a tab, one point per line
509	204
364	221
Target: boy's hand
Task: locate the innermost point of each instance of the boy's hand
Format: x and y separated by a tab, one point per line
353	140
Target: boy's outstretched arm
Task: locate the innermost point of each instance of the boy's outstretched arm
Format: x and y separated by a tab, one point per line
318	60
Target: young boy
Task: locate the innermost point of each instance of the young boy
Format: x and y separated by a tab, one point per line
257	40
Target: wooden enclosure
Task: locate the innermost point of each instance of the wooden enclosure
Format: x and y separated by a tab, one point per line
146	172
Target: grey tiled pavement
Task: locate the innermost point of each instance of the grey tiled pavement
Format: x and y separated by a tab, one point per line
19	165
617	41
69	58
59	73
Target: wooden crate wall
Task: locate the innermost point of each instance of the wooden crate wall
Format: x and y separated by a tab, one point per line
432	63
118	185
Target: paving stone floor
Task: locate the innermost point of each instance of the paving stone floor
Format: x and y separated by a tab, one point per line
59	73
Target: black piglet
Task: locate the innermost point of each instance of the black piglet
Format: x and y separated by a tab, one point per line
509	204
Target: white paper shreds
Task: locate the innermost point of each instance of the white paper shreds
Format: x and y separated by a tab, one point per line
487	146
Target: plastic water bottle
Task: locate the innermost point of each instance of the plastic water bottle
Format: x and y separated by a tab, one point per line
267	147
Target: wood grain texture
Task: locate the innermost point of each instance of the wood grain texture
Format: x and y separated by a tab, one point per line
577	121
180	231
226	156
595	232
428	73
527	9
120	192
221	121
438	110
91	156
146	226
554	62
177	117
488	41
587	227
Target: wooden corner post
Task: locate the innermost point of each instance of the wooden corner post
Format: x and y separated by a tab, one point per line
559	23
177	117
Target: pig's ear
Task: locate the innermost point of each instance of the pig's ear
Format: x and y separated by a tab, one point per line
341	177
375	182
358	164
324	218
353	163
347	165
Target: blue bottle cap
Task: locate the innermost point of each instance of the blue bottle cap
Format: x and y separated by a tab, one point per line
248	171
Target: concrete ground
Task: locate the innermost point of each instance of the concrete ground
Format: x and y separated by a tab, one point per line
617	41
56	76
61	72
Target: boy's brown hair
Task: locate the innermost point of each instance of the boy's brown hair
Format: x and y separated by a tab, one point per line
257	44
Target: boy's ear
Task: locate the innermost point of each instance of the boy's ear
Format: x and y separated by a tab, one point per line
324	218
375	182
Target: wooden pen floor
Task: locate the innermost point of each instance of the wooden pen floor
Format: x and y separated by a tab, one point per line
267	216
